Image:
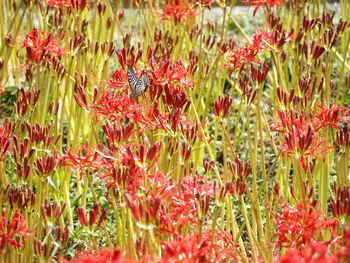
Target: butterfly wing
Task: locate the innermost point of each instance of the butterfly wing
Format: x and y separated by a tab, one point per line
133	79
141	85
137	85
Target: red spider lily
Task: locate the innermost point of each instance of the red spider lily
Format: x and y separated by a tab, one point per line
102	256
314	252
13	232
176	97
59	3
18	197
222	106
116	132
119	106
243	55
129	178
330	117
190	130
171	73
340	204
75	4
261	41
343	251
145	209
300	139
41	46
300	144
178	10
134	163
180	203
191	249
259	75
119	80
302	225
4	141
93	213
84	157
343	138
52	210
290	119
269	40
259	3
141	155
46	164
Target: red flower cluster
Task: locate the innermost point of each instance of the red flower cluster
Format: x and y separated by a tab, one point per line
178	10
317	251
262	40
76	4
302	132
191	249
103	255
41	46
303	224
84	157
314	252
4	142
330	117
59	3
13	232
259	3
171	73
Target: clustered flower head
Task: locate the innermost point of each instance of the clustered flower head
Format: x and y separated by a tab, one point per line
262	40
259	3
74	4
302	225
41	46
13	232
303	132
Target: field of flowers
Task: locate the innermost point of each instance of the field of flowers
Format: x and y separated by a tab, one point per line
174	131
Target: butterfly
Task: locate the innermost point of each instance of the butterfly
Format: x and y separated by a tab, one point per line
137	85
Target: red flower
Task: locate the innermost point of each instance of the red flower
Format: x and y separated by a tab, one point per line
59	3
119	106
315	252
178	10
14	231
343	251
290	119
181	202
222	106
303	224
261	41
331	116
268	40
4	139
171	73
102	256
243	55
300	140
76	4
41	46
189	249
119	80
83	158
301	144
259	3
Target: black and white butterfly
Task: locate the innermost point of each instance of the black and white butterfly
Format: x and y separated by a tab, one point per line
137	85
